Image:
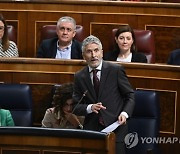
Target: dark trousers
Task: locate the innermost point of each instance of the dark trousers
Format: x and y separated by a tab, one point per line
120	134
120	148
120	145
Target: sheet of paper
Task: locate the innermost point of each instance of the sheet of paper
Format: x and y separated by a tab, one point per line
111	127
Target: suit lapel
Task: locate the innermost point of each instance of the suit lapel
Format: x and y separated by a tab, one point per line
88	83
73	51
54	48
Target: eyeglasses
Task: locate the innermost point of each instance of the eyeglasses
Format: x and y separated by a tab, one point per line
1	28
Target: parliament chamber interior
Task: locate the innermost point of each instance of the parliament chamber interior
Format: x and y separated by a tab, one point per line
156	24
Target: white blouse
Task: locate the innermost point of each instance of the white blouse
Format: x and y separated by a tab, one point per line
127	59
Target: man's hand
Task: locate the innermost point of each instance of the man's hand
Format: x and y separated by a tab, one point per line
122	119
97	107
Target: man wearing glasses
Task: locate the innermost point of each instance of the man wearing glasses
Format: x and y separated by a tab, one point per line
63	46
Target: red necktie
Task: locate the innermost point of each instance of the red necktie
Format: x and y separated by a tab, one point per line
96	81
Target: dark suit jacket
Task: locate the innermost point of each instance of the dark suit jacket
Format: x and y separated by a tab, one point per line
174	58
136	56
115	93
48	49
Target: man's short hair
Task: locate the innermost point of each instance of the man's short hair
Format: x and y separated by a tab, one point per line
67	19
91	39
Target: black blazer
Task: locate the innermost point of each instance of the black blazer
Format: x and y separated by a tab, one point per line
48	49
174	57
136	56
115	92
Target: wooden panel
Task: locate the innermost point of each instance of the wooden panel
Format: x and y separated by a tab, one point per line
60	152
38	27
104	31
12	141
97	17
19	151
164	42
168	106
42	99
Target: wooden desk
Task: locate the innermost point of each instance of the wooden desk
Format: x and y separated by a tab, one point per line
42	74
31	140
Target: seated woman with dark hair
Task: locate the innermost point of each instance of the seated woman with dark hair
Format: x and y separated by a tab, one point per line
7	48
125	49
6	118
61	116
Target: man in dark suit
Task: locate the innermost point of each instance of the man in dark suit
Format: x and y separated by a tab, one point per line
115	98
63	46
174	57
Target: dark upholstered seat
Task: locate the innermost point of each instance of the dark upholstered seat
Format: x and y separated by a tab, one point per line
145	121
12	34
49	31
144	41
17	98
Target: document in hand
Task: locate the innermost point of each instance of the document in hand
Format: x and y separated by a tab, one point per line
111	127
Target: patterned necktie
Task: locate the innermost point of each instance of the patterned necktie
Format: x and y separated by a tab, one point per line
96	81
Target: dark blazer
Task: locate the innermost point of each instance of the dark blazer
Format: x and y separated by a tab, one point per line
136	56
174	57
115	93
48	49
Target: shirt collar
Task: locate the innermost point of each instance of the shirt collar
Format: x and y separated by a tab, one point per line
69	46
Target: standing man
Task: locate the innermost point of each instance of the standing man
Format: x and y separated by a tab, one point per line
114	99
63	46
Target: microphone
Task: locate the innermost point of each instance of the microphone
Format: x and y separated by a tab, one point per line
84	94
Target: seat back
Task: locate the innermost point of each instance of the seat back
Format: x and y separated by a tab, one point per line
49	31
145	120
12	34
144	42
17	98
